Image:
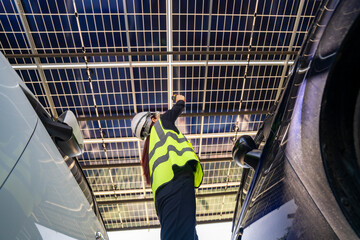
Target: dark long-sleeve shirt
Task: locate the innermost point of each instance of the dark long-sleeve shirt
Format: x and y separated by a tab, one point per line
168	121
169	117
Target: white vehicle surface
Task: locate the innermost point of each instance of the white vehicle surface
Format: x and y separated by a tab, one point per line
39	195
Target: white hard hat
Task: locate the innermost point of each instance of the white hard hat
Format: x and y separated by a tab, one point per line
140	124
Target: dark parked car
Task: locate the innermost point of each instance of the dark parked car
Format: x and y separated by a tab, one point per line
305	182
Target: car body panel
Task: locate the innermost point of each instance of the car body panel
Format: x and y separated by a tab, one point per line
291	171
39	196
281	208
41	193
17	119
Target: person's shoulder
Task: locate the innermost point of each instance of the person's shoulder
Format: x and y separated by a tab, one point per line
164	118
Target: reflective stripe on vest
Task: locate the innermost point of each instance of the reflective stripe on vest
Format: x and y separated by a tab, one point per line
166	149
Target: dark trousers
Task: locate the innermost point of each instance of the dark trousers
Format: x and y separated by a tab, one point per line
177	209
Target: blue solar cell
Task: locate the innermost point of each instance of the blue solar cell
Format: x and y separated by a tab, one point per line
10	23
88	22
311	7
193	125
12	40
130	6
99	23
30	7
7	7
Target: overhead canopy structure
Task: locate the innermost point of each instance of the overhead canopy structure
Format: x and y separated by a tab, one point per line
108	60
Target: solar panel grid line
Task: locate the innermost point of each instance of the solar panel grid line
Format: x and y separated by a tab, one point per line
33	47
135	223
248	56
63	29
86	25
55	94
151	36
248	16
276	20
99	122
188	49
30	40
114	191
53	24
103	26
267	57
75	48
151	13
298	41
12	30
293	35
169	38
95	24
205	77
119	214
260	24
267	28
107	40
131	69
187	35
114	98
142	64
224	27
228	56
194	24
73	31
231	83
251	102
145	199
286	22
80	89
134	100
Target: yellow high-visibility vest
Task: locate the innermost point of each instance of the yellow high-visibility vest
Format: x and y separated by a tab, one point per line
166	149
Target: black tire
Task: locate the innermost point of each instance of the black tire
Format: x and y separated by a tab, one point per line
339	127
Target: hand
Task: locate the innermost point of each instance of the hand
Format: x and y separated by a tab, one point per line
179	97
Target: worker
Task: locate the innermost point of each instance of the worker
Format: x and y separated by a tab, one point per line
172	168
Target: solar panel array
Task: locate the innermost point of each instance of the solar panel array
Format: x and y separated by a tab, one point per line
108	60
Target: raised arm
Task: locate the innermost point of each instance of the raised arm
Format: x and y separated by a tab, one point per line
172	114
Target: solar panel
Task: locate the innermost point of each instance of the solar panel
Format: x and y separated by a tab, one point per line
108	60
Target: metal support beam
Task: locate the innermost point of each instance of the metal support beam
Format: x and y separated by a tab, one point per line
169	48
205	76
190	136
126	165
148	53
148	190
290	47
132	79
38	64
130	63
158	226
201	114
91	85
137	200
148	64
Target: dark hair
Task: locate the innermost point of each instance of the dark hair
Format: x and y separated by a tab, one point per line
145	158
